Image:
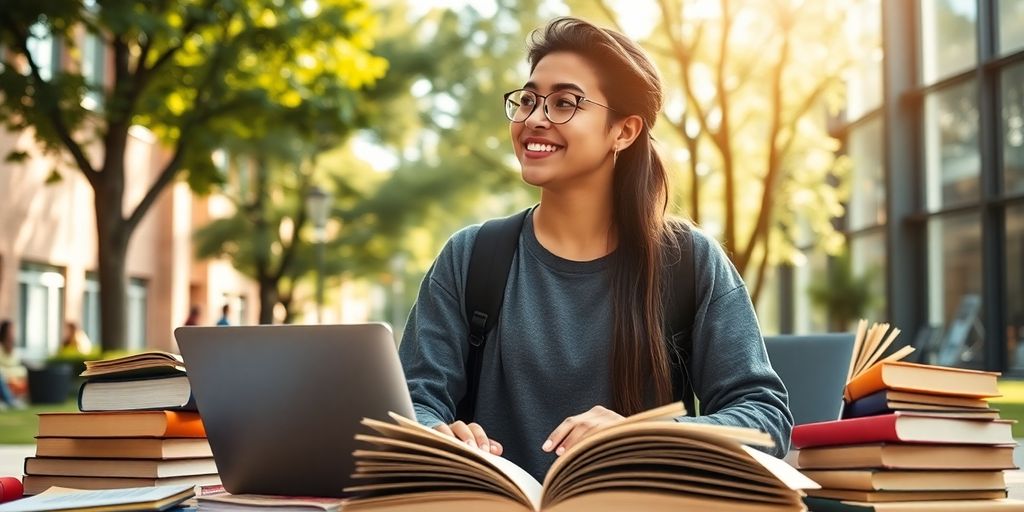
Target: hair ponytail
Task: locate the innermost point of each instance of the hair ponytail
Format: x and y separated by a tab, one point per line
641	371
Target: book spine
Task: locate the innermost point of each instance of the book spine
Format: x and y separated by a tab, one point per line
829	505
871	405
866	383
872	429
189	406
81	391
184	424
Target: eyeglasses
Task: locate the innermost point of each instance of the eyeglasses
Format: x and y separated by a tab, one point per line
559	106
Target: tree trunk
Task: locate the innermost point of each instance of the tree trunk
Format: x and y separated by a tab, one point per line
112	245
268	299
289	311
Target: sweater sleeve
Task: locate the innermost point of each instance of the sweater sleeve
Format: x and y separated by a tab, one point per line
434	345
732	377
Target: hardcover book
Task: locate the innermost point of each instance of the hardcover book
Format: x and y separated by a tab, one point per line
121	424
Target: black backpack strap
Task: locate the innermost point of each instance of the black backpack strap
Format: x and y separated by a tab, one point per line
495	247
680	309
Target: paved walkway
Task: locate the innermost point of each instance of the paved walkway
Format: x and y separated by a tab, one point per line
12	458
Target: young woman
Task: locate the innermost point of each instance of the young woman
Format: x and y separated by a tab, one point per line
580	341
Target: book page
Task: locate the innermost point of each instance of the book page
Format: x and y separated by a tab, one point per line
57	498
784	472
259	500
714	438
154	362
530	487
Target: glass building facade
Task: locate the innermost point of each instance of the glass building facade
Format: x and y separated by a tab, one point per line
935	127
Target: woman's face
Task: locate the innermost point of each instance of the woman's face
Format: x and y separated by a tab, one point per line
560	154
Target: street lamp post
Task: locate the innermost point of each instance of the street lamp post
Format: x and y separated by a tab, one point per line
318	205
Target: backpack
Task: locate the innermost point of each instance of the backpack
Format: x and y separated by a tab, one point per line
489	264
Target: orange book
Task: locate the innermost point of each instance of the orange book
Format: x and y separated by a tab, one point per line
121	424
922	378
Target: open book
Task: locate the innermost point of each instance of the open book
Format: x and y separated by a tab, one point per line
635	464
870	345
153	362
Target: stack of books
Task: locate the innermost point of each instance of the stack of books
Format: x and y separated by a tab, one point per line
912	437
138	427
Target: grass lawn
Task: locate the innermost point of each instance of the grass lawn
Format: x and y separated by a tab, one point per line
19	426
1011	404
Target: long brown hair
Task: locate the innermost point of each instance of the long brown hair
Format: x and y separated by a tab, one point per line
640	362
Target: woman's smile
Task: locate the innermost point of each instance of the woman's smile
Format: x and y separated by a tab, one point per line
536	147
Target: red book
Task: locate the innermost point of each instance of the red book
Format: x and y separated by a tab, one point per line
903	427
10	489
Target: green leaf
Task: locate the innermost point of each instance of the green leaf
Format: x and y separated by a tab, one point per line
16	157
54	177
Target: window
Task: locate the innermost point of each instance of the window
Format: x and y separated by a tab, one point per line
867	196
93	70
864	81
954	280
867	259
1011	25
1015	286
1012	106
91	307
137	299
952	161
41	308
44	49
809	317
948	29
243	310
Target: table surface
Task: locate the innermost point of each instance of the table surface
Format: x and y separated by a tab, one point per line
12	459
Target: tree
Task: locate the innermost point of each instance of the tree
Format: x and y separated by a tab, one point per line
268	179
193	72
843	295
749	86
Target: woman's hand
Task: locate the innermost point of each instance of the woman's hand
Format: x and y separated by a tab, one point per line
575	428
472	434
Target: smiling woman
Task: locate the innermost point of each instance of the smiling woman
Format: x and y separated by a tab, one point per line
585	332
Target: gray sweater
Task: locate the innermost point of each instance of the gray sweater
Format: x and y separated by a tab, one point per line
548	358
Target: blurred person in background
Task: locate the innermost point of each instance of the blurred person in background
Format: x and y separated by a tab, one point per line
224	312
13	375
75	342
193	316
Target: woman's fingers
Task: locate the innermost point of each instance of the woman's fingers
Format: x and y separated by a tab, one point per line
480	436
463	433
496	447
558	435
444	429
472	434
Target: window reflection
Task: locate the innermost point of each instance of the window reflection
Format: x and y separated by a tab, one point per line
1012	106
954	282
947	37
1015	286
952	161
867	194
1011	25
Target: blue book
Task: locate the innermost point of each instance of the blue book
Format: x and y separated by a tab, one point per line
871	405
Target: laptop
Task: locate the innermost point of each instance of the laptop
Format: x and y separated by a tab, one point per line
281	403
813	368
